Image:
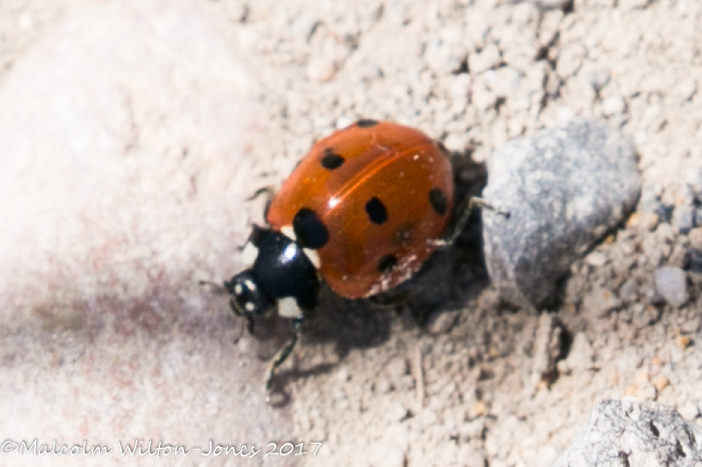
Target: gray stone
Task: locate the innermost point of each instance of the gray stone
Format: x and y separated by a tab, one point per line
683	218
630	433
563	189
671	283
629	291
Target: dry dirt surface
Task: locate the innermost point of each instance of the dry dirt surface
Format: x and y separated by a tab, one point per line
106	336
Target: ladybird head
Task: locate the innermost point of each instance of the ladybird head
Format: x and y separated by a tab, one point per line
247	297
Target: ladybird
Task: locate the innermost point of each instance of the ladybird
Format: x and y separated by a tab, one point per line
362	211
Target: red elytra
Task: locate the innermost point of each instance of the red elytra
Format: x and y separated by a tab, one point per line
382	192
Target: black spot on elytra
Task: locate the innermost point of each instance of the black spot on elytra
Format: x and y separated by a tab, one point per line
331	161
376	211
366	123
438	201
309	230
387	263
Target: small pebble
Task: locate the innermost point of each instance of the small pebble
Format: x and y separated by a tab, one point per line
671	283
629	291
693	260
383	386
580	357
643	316
596	258
683	218
427	418
601	301
613	105
660	383
665	212
343	375
643	221
694	180
460	85
441	322
547	455
397	367
342	122
488	58
689	410
396	412
650	198
686	90
321	69
683	342
480	408
645	391
457	141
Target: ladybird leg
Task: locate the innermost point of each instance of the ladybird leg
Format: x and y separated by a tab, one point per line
285	352
389	300
269	192
465	212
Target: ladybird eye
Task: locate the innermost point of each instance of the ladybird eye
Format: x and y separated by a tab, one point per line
309	230
387	263
376	211
331	161
366	123
438	201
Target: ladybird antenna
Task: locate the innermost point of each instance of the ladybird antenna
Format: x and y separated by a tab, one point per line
241	333
217	288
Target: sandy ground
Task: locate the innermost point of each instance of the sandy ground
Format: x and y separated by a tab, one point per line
132	132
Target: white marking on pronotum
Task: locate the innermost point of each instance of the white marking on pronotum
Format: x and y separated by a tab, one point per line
249	306
238	289
249	255
289	253
287	307
313	257
288	231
